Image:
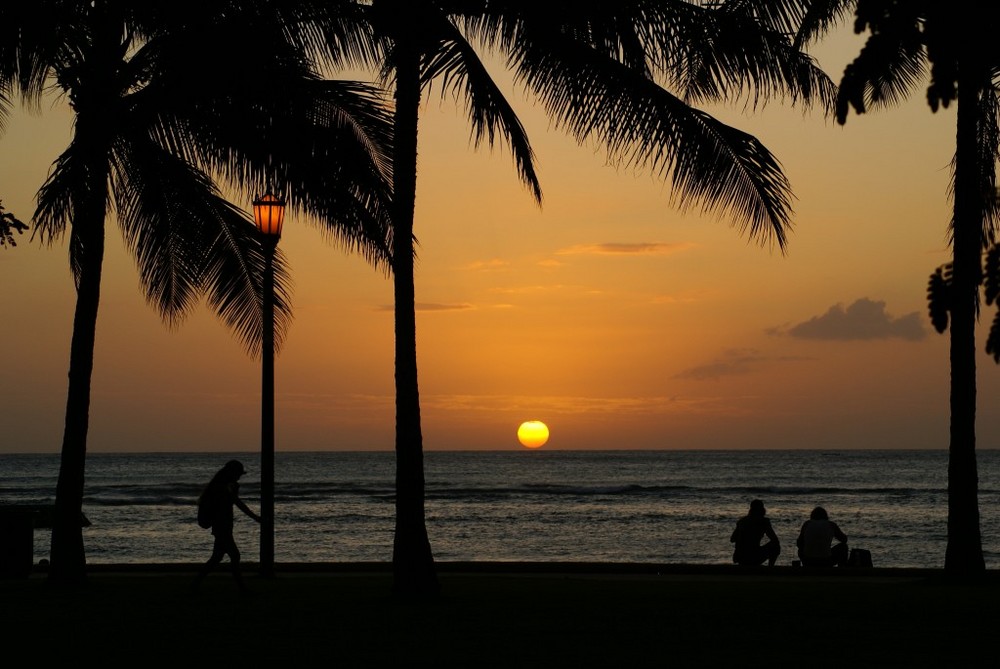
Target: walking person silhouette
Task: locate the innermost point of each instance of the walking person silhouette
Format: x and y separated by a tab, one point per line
215	510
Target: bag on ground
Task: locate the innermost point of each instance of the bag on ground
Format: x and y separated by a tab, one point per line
860	557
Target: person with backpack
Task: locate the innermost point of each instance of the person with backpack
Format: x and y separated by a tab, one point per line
215	510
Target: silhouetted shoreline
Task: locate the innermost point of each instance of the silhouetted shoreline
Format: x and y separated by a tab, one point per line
521	567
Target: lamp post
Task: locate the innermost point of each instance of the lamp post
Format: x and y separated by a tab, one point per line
268	215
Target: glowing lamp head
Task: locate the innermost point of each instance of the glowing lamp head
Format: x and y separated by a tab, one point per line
533	434
269	215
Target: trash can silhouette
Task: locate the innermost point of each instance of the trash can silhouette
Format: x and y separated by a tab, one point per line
17	542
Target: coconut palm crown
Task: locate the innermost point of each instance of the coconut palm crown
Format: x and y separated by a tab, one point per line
167	104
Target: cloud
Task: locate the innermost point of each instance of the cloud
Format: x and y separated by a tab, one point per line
432	306
865	319
528	290
487	265
578	405
617	249
735	362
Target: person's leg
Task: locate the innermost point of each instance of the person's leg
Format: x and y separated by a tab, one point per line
234	560
839	554
771	551
218	550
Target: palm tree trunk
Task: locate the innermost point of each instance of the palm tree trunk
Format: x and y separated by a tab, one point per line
412	561
68	558
964	553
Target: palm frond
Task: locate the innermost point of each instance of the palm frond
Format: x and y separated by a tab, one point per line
188	241
988	143
991	274
744	50
890	66
715	51
341	35
54	211
784	16
993	339
32	35
805	20
720	168
939	297
74	198
325	144
632	32
235	293
162	204
821	17
458	67
9	226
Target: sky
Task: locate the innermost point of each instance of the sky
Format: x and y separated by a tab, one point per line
606	312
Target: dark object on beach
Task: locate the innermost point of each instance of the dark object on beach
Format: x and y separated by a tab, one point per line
17	530
860	558
17	536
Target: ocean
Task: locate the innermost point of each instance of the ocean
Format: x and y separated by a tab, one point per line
559	506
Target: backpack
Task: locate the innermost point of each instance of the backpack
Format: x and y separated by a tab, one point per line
205	510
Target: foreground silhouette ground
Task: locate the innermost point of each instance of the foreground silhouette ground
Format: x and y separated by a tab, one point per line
521	617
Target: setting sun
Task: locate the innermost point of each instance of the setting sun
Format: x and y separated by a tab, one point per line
533	434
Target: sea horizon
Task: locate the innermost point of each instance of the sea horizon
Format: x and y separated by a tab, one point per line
616	505
513	449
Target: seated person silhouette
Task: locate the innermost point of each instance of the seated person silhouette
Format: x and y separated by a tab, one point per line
750	530
816	538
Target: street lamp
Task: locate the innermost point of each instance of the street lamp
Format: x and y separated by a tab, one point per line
268	215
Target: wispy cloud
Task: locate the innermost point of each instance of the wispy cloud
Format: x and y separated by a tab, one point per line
573	405
527	290
619	249
735	362
432	306
673	299
865	319
491	265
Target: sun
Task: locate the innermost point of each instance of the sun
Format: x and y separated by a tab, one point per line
533	434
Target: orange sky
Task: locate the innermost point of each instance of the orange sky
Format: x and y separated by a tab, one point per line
618	320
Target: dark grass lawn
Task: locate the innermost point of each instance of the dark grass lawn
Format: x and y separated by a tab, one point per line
517	619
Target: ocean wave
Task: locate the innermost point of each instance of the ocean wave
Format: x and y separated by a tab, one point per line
186	495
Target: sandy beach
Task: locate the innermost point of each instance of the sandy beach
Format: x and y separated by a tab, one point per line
509	615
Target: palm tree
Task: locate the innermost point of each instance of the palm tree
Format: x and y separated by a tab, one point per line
594	65
163	105
956	43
